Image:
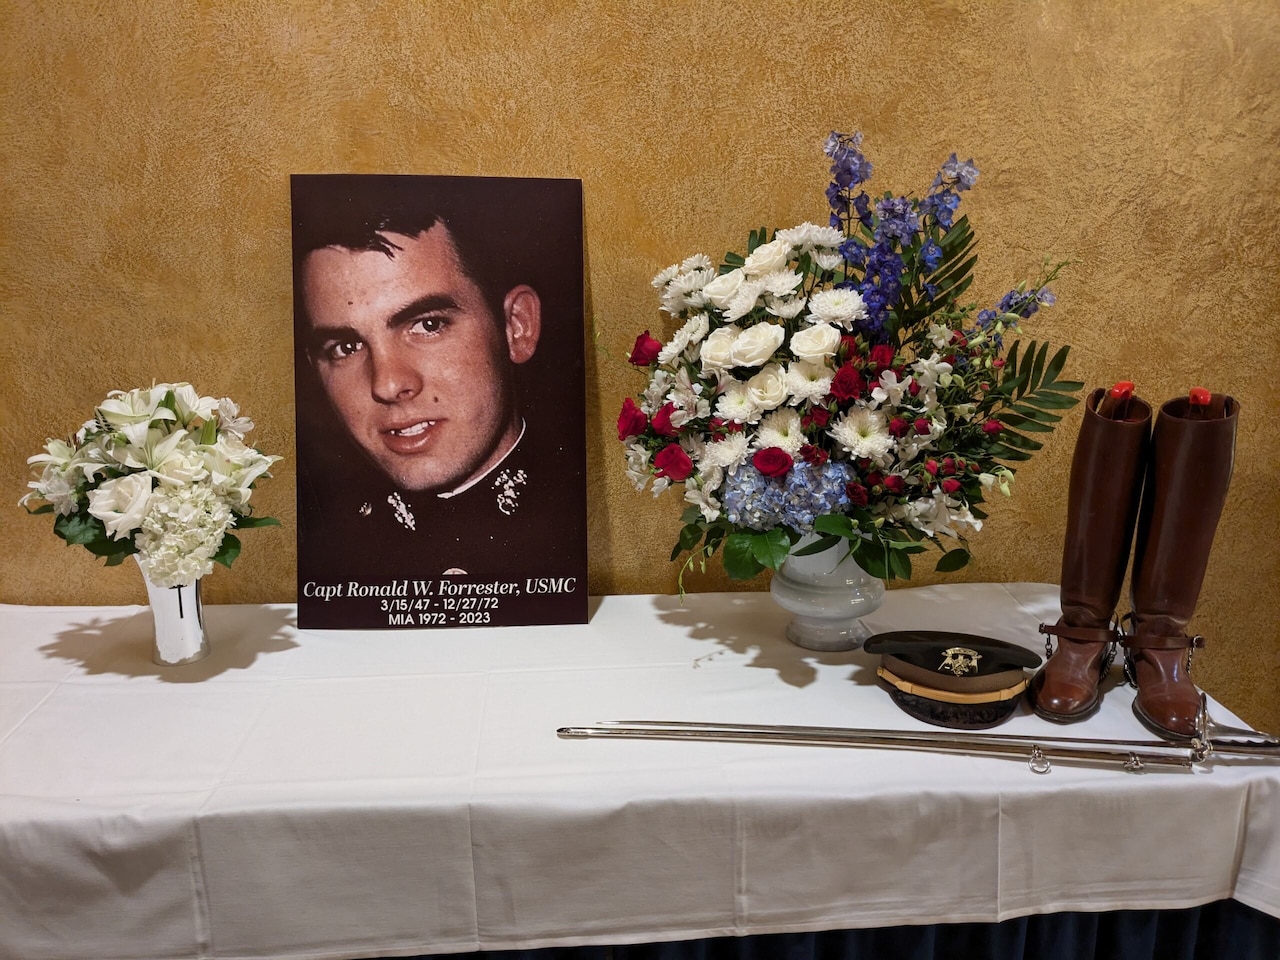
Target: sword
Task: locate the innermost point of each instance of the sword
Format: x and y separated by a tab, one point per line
1212	740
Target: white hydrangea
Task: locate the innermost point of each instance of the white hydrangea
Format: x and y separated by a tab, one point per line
180	534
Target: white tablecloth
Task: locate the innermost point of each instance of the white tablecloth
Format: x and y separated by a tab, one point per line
340	794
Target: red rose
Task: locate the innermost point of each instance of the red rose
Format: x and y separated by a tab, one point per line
894	483
672	462
931	466
960	466
959	339
645	351
631	421
814	455
898	427
772	461
992	427
662	421
817	417
874	479
948	466
848	383
881	357
848	347
914	388
998	362
950	485
922	424
857	493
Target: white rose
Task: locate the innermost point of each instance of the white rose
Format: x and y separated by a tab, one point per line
756	345
717	349
721	290
767	258
814	344
768	388
121	503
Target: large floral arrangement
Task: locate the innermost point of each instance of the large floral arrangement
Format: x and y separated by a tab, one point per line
162	473
831	382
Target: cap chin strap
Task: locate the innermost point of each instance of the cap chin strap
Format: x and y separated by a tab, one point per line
948	696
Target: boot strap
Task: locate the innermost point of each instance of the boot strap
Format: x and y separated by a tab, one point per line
1152	642
1105	634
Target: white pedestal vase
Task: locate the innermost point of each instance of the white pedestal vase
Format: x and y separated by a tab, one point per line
179	623
826	595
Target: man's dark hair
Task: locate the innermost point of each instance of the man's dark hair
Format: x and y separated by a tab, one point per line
356	212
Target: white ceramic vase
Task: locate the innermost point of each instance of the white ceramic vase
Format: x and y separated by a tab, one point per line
179	623
827	594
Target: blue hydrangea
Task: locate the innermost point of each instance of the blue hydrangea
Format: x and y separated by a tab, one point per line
756	502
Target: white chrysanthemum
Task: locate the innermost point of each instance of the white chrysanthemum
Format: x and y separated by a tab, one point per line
674	347
181	532
744	301
666	276
781	282
726	454
694	280
839	306
699	261
808	381
863	433
736	404
781	429
785	307
807	236
827	259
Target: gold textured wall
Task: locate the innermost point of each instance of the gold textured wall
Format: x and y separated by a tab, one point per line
145	149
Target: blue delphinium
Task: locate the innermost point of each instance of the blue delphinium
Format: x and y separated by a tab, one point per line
954	178
930	255
849	168
757	502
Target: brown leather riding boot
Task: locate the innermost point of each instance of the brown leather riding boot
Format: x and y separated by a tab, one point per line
1186	487
1102	505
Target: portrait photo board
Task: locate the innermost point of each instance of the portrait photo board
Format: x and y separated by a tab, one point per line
440	396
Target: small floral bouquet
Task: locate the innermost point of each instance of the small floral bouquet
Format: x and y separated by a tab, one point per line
163	473
832	383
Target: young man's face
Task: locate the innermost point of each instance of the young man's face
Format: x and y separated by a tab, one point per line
414	361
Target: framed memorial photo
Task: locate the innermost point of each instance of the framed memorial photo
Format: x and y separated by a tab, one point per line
438	331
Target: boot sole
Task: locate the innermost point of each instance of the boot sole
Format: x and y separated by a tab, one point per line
1163	732
1084	714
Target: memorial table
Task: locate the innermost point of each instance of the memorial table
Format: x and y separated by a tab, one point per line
396	793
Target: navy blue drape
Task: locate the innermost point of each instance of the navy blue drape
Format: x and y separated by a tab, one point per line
1225	930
